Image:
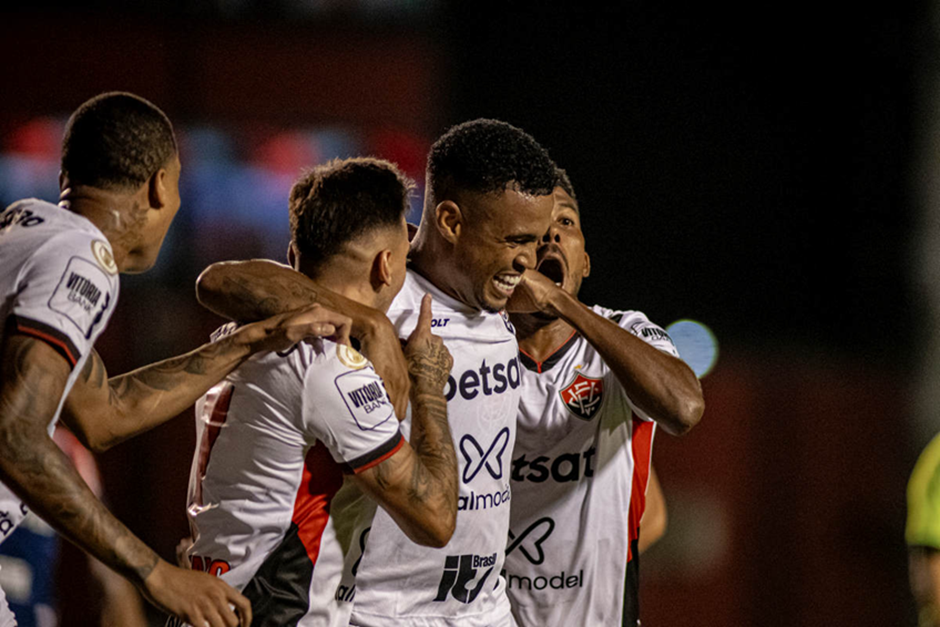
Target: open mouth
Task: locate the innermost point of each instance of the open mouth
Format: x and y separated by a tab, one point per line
553	268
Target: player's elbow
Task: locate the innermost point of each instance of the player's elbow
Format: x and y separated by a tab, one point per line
438	536
687	415
209	285
438	527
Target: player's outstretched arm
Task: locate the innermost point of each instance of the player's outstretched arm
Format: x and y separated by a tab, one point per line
417	486
246	291
32	379
105	411
653	521
661	385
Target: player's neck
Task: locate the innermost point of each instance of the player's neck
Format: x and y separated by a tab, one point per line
434	265
339	282
540	336
109	212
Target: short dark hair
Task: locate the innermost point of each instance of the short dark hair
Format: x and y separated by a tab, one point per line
334	203
116	140
487	156
565	183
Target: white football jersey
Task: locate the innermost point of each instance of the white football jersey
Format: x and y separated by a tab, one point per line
60	285
274	441
579	474
401	583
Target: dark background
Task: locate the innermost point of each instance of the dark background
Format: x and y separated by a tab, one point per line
746	165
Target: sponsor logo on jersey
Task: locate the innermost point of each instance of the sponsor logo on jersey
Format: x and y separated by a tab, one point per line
17	215
103	256
529	542
439	322
505	318
487	500
365	398
82	295
565	468
485	380
10	520
346	591
82	291
583	396
650	333
209	565
350	357
461	577
477	459
368	397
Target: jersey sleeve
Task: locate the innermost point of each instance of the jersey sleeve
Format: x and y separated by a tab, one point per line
639	325
68	289
923	499
345	406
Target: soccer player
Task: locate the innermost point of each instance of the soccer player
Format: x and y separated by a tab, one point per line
488	201
922	534
59	280
596	382
278	436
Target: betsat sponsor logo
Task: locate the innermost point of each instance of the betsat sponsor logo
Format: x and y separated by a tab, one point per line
486	380
564	468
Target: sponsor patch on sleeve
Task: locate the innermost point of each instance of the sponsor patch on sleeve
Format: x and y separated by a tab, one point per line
365	398
651	333
350	357
83	295
103	256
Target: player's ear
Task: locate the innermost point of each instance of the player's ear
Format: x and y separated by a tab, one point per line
449	221
158	190
291	255
587	266
382	268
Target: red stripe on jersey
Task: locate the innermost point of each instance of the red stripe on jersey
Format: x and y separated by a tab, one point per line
379	460
321	479
216	419
62	346
642	443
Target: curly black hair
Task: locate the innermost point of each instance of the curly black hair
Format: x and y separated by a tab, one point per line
485	156
334	203
565	183
116	140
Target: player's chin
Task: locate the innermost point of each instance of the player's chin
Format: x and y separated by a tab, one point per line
495	301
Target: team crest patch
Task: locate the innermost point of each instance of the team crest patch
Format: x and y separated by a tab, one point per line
350	357
583	396
103	256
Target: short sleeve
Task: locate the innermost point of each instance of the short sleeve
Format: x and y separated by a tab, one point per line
639	325
345	406
923	499
68	291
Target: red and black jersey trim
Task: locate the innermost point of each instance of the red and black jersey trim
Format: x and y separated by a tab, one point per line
376	456
631	588
280	589
48	334
554	358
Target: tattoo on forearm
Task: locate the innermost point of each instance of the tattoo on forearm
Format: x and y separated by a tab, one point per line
264	297
433	477
41	474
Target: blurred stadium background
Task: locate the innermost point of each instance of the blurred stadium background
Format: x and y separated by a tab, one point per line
770	170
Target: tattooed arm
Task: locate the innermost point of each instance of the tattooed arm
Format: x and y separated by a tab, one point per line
33	379
417	486
251	290
104	411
